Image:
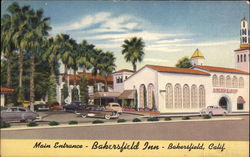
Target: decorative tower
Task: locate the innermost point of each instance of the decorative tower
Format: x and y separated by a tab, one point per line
242	55
197	58
244	33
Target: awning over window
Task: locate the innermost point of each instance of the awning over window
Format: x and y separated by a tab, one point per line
98	95
127	94
240	100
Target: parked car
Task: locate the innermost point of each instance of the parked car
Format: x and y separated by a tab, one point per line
21	114
41	107
213	110
114	106
74	106
56	107
97	111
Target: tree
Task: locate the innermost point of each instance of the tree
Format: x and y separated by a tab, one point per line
85	51
96	64
132	50
107	66
84	90
52	89
38	29
19	24
184	62
7	45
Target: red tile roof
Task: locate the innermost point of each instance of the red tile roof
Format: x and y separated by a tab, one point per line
90	78
124	70
243	48
177	70
6	90
221	69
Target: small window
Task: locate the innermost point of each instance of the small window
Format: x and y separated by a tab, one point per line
238	58
243	23
239	106
245	58
241	58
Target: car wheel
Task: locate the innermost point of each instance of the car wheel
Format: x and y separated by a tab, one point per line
28	120
107	116
83	116
211	113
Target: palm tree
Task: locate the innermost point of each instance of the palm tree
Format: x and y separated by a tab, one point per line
38	29
19	27
107	66
85	51
95	61
7	45
132	50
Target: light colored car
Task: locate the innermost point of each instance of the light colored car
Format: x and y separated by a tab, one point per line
114	106
21	114
213	110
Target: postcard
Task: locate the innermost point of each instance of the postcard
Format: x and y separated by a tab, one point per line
124	78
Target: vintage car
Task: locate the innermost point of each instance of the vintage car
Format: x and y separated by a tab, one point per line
114	106
97	111
41	107
21	114
213	110
72	107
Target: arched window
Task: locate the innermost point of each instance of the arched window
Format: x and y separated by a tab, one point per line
142	96
228	82
215	80
245	58
241	82
222	81
238	58
241	57
186	96
150	96
202	96
194	96
235	82
177	96
169	95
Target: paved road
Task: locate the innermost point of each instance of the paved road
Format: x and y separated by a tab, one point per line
237	130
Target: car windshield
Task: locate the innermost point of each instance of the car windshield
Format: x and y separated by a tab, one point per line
14	109
22	110
115	105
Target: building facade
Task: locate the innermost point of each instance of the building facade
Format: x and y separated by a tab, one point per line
180	90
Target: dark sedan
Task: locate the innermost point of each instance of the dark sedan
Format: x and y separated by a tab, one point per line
20	114
74	106
97	111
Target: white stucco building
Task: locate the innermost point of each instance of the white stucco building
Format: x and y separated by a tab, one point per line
180	90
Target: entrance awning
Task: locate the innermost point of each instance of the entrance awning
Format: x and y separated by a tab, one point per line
98	95
127	94
240	100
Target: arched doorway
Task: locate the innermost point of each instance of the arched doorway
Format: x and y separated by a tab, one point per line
224	103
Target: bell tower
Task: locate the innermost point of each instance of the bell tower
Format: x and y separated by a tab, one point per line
242	55
244	33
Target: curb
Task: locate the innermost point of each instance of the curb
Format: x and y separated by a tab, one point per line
112	123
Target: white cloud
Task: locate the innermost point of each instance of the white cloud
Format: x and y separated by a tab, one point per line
203	44
154	60
171	41
84	22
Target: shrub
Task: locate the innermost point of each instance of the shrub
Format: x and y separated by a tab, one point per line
97	121
72	122
168	118
185	118
136	120
153	119
5	125
32	124
52	123
121	120
207	116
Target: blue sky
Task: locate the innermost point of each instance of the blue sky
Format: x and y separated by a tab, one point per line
170	29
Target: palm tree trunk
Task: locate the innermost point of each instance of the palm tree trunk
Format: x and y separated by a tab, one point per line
106	85
32	87
95	87
134	67
74	78
20	68
9	68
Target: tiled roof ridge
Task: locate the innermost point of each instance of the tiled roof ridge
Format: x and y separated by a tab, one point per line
176	70
222	69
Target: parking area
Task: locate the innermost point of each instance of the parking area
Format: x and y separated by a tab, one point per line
64	117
